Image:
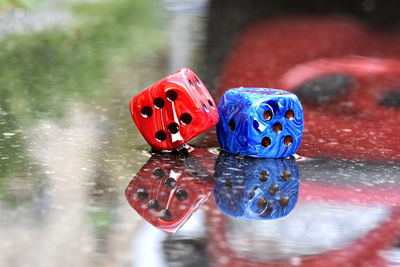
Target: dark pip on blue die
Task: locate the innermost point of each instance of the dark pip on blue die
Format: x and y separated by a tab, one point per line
260	122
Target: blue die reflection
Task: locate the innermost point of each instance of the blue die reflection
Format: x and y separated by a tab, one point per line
258	189
260	122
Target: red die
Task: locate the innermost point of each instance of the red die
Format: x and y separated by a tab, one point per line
174	110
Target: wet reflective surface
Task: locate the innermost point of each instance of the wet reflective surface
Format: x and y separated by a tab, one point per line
72	163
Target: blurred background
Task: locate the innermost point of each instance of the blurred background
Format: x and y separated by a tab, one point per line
69	148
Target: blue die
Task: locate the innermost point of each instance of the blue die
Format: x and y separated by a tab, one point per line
260	122
258	189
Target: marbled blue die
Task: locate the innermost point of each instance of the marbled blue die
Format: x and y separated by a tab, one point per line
258	189
260	122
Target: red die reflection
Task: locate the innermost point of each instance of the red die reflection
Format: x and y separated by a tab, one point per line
169	188
174	110
346	75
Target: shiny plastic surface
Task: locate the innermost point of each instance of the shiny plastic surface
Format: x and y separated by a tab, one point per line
174	110
260	122
257	189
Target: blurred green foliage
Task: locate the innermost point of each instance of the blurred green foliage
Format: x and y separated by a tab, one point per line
41	73
19	3
39	70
